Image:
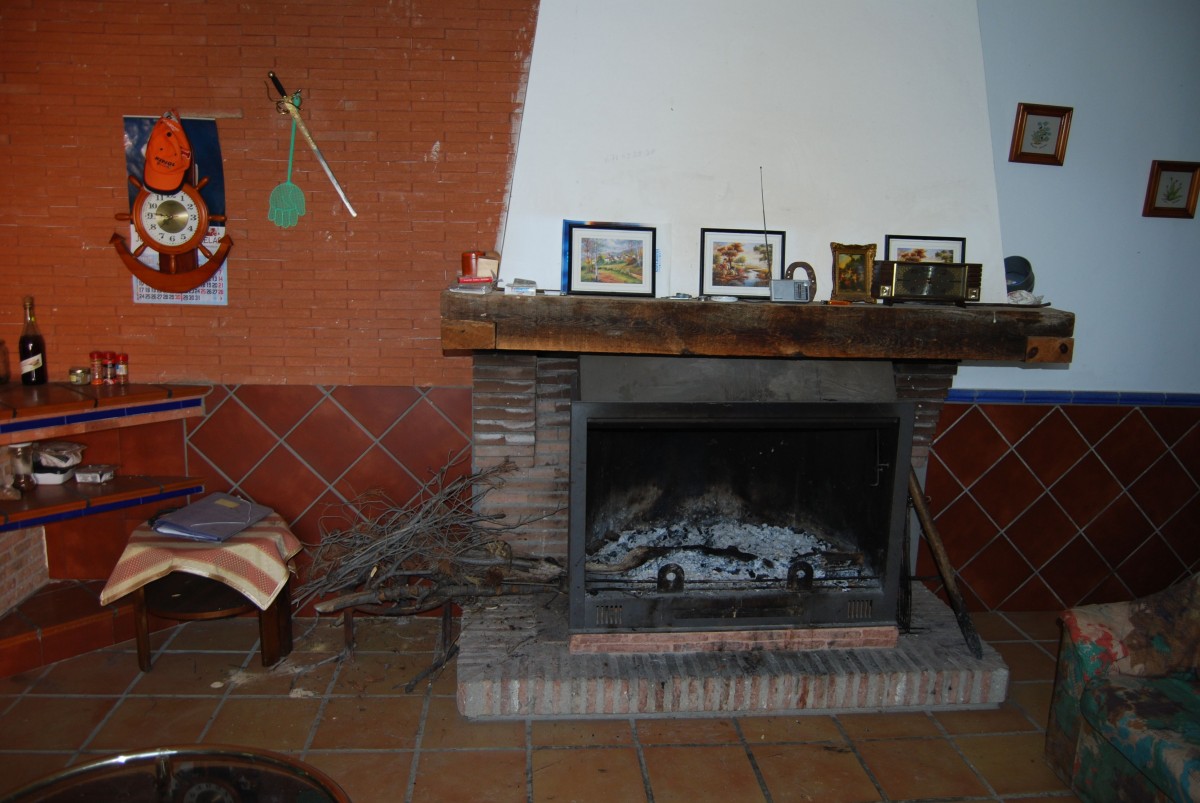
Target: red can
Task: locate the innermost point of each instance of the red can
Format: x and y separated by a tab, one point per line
470	262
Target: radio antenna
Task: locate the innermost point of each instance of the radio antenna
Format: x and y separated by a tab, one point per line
763	197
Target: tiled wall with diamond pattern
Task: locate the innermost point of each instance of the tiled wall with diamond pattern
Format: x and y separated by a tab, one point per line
1040	506
308	450
1045	506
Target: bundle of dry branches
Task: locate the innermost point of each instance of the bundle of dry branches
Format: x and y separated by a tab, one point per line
440	538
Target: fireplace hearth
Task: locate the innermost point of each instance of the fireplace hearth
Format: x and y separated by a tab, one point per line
737	515
534	356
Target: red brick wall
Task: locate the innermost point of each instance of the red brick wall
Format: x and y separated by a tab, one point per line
414	104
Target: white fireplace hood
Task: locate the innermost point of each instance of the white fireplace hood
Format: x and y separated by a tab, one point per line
863	118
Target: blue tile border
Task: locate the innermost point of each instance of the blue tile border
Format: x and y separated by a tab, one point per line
1094	397
102	507
98	414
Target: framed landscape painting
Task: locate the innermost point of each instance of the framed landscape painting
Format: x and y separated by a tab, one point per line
609	258
739	262
909	248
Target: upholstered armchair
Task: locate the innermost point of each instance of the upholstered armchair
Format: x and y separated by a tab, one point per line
1125	713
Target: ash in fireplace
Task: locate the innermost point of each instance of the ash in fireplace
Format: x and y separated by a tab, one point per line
725	551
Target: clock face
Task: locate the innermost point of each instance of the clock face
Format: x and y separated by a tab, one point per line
173	222
926	280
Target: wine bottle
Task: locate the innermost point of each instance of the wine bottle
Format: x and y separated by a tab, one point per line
32	349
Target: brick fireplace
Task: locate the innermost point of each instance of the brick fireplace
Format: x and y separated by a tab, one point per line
533	357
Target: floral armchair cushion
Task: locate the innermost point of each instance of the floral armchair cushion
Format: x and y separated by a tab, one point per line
1127	676
1155	636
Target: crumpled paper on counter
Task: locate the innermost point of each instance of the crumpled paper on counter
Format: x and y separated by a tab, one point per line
1024	297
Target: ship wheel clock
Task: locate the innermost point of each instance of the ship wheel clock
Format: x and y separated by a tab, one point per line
170	217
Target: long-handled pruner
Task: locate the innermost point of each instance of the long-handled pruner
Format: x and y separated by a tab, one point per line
285	106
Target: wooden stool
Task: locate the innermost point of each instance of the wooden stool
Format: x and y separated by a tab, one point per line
183	596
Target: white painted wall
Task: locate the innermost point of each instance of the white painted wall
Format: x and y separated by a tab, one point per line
873	117
1130	69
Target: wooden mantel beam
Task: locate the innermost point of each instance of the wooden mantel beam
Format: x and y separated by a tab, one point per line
616	325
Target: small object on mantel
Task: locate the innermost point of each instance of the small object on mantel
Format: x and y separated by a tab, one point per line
488	266
473	289
521	287
1026	298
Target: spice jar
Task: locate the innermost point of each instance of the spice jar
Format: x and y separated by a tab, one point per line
97	358
22	459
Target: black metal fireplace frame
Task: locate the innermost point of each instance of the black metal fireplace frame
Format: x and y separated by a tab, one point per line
802	601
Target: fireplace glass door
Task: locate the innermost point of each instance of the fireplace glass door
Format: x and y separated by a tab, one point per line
736	515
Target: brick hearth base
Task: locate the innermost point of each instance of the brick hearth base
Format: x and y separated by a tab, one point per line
514	662
800	638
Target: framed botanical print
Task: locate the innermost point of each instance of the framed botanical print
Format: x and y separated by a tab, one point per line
1040	134
1172	190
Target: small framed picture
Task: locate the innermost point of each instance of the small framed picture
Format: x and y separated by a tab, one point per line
1040	134
610	258
1172	189
739	262
853	269
907	248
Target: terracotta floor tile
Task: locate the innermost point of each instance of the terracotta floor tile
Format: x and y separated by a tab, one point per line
366	777
1033	699
445	727
280	724
765	729
61	602
381	673
581	733
25	768
235	634
372	740
20	682
1026	661
397	633
823	773
376	723
190	673
602	775
301	674
994	627
1037	625
21	654
687	730
144	722
443	682
318	635
1012	764
919	768
693	774
486	776
1007	718
52	723
100	672
84	634
887	726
